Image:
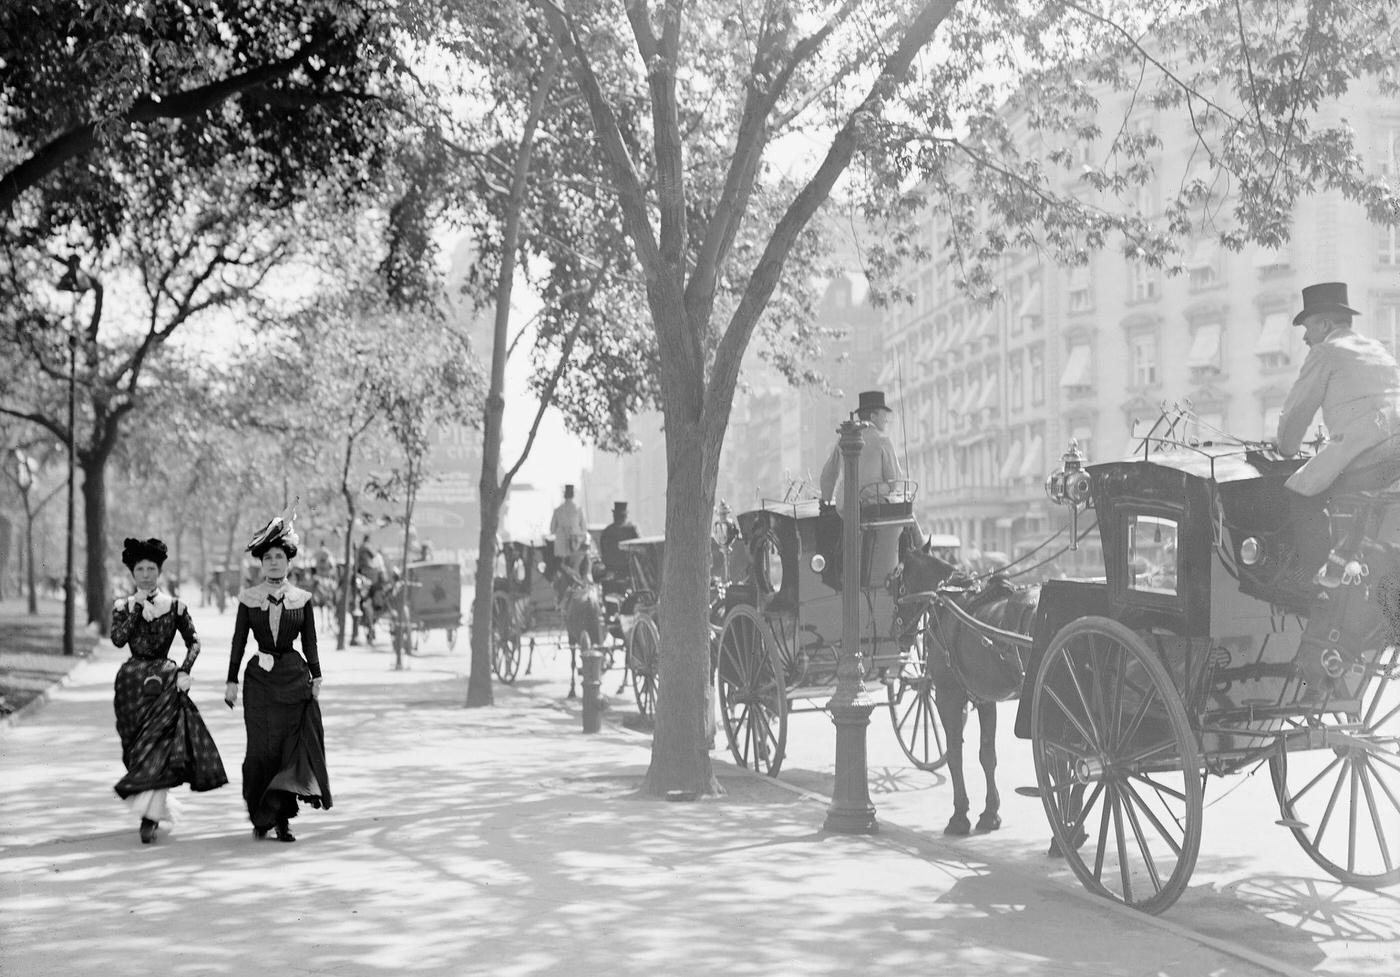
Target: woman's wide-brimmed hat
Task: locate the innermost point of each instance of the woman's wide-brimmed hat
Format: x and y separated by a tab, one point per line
277	533
1324	297
872	400
135	550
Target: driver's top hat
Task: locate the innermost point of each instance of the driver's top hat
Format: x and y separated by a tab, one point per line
1325	297
872	400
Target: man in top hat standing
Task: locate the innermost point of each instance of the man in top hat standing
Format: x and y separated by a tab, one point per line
615	532
877	458
569	529
1356	383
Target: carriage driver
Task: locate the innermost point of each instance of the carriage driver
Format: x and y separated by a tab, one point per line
569	529
1356	383
615	532
877	458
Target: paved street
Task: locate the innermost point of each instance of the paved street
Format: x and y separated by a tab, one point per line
504	841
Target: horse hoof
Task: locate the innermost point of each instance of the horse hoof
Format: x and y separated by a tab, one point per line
958	825
988	822
1056	852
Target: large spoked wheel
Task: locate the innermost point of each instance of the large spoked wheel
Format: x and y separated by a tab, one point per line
1342	799
911	699
643	655
752	697
505	640
1117	764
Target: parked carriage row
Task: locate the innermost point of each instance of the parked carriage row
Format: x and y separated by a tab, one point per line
1195	652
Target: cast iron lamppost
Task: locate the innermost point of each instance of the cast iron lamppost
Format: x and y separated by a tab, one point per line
74	281
850	811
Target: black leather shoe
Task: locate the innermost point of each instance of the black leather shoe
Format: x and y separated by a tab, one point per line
148	831
284	832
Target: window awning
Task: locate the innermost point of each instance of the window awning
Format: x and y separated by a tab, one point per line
1030	306
1205	346
989	392
1274	337
1011	464
1203	255
1076	368
1033	465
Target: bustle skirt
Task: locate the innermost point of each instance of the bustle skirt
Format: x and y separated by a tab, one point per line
164	740
286	758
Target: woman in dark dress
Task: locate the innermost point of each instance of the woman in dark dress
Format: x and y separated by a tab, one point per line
286	757
164	740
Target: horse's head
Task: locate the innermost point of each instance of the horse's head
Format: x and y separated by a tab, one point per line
922	571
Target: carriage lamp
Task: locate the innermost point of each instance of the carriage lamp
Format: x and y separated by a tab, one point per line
770	565
1249	551
818	563
1070	486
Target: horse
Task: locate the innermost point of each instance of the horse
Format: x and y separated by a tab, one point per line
959	656
582	601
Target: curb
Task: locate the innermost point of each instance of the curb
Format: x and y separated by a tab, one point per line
922	841
42	697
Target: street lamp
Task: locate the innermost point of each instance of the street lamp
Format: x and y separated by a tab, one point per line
76	282
850	811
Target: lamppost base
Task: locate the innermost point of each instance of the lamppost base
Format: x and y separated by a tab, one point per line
851	811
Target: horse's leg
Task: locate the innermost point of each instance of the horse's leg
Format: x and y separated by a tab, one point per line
573	669
987	753
951	702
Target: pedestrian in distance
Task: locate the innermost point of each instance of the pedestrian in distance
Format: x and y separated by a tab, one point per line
286	759
164	740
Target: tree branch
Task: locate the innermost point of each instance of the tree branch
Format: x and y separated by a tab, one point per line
82	138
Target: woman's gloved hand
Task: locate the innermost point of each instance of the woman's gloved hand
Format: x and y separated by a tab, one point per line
316	688
230	694
182	681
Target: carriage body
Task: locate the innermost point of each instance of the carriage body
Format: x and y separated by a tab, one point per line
1194	543
779	616
1207	648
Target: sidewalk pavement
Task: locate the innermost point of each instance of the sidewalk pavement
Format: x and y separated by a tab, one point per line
502	841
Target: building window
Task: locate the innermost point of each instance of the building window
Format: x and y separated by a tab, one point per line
1388	247
1142	349
1030	313
1142	281
1084	434
1387	145
1014	297
1145	198
1274	344
1081	289
1204	360
1203	265
1078	377
1037	365
1015	382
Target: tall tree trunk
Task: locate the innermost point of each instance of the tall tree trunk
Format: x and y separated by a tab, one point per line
680	757
346	591
178	561
203	546
405	632
94	466
492	486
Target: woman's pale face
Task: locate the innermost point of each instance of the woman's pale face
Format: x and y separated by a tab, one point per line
274	564
145	574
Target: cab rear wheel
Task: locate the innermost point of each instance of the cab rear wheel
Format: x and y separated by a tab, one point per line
752	696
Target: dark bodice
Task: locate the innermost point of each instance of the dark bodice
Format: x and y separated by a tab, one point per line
151	640
297	621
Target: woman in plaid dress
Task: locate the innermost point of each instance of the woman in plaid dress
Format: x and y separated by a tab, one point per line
286	758
164	740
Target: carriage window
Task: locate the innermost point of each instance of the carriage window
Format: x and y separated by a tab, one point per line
1152	555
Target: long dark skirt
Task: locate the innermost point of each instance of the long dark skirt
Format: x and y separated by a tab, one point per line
164	740
286	758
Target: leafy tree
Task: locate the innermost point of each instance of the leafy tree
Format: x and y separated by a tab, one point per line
909	91
91	89
174	261
29	464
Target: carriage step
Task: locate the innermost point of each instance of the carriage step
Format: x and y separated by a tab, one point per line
1031	791
1293	823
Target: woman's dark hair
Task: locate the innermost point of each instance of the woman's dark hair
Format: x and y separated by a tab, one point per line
135	550
274	544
